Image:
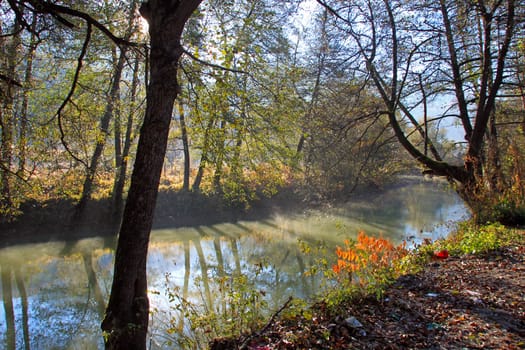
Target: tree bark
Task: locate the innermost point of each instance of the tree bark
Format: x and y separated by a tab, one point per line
8	121
127	313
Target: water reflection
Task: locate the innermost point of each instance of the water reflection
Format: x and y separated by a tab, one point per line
54	294
8	307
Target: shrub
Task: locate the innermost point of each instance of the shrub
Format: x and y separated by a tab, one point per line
476	239
239	307
369	262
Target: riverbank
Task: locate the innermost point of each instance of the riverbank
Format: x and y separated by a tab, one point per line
468	301
55	220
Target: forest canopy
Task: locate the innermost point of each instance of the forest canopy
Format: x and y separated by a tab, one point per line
322	96
263	99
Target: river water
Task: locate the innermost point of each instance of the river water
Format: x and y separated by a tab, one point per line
54	293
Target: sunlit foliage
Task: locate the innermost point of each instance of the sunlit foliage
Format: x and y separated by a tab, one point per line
369	261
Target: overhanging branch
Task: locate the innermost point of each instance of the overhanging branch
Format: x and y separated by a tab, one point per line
56	11
70	94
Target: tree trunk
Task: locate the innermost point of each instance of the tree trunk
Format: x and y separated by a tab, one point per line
219	158
321	58
22	133
101	140
7	122
240	126
186	148
494	171
122	163
104	122
117	143
204	155
126	321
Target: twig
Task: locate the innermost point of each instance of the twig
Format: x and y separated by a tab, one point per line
13	173
268	324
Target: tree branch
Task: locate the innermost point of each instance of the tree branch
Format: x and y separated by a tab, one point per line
209	64
268	324
70	94
55	10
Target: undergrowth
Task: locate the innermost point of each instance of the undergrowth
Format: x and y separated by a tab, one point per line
365	267
368	266
368	262
237	307
469	238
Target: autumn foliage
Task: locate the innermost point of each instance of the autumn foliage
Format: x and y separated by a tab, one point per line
368	258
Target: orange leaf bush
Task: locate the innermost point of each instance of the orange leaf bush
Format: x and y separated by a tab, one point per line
368	258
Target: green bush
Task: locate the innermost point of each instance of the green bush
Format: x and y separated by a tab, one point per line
474	239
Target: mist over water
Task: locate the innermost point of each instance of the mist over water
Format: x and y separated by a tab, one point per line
54	293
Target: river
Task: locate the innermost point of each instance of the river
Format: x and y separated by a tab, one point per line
54	293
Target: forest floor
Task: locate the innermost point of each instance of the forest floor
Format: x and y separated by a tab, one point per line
467	302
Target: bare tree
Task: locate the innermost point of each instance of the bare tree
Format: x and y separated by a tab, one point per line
458	48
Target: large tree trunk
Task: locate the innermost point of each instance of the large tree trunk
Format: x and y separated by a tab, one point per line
126	321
